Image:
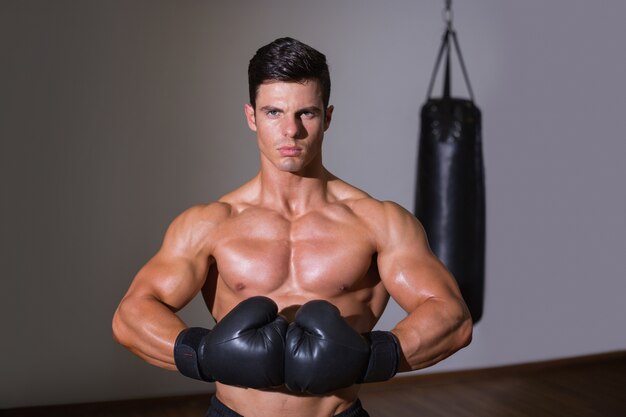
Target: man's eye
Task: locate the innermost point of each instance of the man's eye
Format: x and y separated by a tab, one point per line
272	113
308	114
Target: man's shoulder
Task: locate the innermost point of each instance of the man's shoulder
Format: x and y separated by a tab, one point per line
374	212
363	203
192	229
203	215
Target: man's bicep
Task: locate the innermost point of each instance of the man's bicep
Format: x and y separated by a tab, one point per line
178	271
172	280
411	273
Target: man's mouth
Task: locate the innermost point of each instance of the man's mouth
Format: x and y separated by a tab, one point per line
289	151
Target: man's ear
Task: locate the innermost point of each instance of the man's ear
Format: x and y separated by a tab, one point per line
250	116
328	115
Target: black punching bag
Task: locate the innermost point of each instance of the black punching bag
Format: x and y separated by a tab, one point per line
450	195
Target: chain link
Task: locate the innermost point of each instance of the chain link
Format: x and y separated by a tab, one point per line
447	14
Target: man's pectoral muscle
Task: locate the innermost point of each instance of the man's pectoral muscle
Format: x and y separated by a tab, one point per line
321	255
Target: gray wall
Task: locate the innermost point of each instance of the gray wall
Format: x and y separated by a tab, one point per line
115	116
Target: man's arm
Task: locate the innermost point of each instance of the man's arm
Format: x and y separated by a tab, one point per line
438	322
145	321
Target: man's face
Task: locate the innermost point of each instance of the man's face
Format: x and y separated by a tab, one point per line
290	122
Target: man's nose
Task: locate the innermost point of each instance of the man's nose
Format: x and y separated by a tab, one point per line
292	127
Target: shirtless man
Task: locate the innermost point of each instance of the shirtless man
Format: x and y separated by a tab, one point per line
292	234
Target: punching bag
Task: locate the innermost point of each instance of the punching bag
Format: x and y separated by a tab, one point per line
450	194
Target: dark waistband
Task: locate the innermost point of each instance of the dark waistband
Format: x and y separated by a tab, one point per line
219	409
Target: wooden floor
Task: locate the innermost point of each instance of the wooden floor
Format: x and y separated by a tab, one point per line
580	387
585	387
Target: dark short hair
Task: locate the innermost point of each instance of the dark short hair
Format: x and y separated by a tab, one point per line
287	59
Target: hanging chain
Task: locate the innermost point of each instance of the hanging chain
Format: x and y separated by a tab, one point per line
447	14
449	40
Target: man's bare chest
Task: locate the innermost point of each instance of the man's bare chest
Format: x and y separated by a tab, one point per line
309	253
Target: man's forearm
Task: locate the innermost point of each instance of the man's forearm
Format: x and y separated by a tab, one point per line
148	328
432	332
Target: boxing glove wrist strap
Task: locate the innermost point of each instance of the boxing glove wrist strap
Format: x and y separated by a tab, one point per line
384	357
186	352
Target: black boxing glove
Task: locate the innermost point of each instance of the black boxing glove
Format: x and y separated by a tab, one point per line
324	353
246	348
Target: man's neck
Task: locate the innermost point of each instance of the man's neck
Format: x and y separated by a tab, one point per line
293	194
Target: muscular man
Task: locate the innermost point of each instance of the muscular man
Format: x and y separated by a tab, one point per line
301	242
